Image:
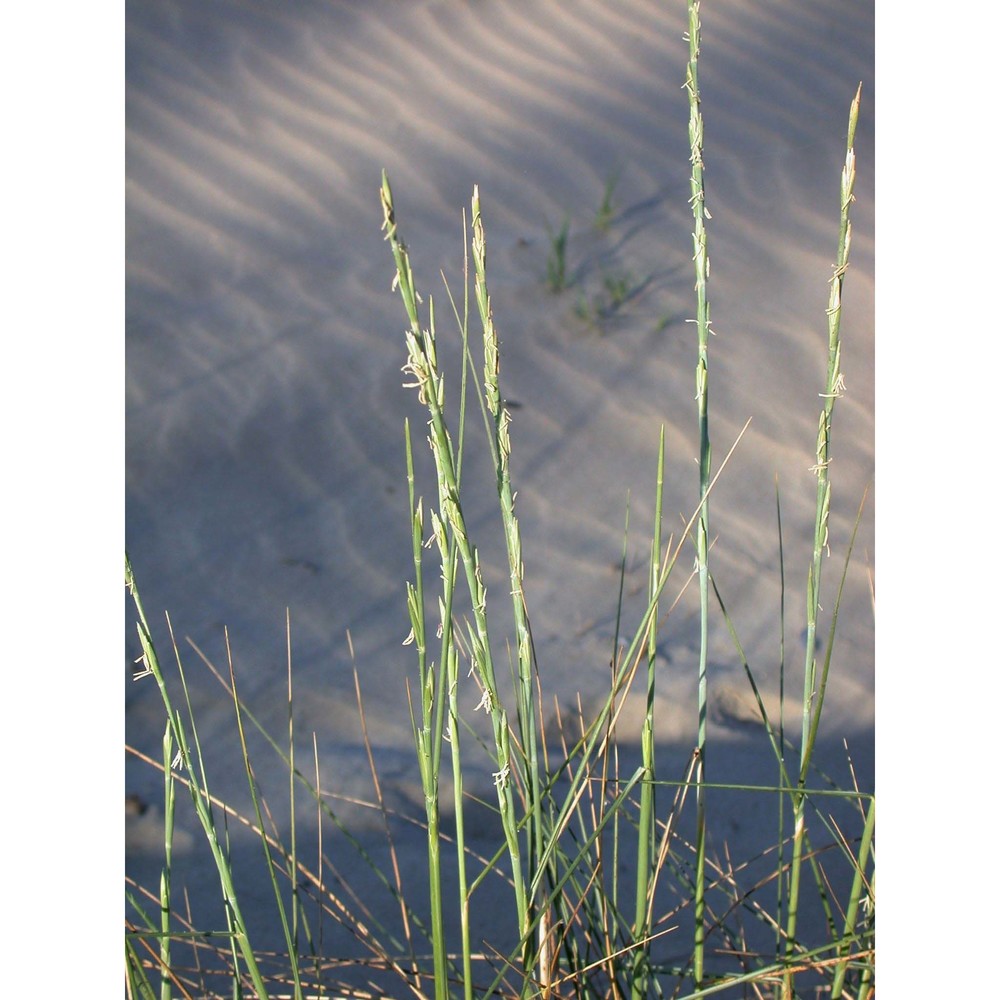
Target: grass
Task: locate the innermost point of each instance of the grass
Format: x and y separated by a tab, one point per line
696	132
606	211
602	861
555	265
606	288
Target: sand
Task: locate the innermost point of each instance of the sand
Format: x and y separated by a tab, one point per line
265	467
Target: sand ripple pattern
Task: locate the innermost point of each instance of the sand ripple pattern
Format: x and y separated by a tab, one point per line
264	402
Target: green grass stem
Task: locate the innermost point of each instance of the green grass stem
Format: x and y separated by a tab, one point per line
429	381
169	807
647	800
696	137
834	388
862	890
527	709
782	774
286	930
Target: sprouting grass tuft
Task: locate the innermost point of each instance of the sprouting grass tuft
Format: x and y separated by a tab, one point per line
606	212
555	265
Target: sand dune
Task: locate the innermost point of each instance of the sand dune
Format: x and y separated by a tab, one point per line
265	464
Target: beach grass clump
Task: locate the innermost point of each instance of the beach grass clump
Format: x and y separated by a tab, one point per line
602	869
